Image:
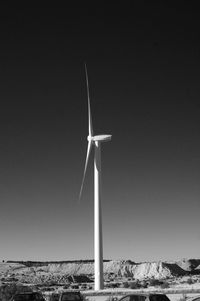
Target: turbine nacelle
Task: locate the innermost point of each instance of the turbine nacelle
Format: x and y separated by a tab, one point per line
101	138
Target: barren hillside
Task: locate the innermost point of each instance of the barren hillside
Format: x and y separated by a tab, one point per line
121	268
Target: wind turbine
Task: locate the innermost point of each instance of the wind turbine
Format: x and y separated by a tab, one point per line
98	239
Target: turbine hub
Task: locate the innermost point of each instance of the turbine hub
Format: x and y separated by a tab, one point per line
89	138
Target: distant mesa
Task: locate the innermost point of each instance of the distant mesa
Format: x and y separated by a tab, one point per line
37	270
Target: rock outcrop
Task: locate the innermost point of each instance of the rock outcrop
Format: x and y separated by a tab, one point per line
40	272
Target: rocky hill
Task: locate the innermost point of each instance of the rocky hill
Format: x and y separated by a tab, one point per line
189	264
37	272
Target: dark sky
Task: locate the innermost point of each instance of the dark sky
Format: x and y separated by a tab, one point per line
144	71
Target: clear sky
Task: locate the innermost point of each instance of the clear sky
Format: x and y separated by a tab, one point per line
143	64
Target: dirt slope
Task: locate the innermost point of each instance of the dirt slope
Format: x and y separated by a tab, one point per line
122	268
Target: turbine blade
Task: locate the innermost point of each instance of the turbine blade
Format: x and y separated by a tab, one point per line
90	129
86	163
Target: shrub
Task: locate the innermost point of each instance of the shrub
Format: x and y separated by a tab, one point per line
125	284
144	284
155	282
134	285
113	285
190	281
165	285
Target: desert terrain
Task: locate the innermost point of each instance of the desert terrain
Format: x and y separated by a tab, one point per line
179	276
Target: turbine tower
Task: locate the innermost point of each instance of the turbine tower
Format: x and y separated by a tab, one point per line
98	239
